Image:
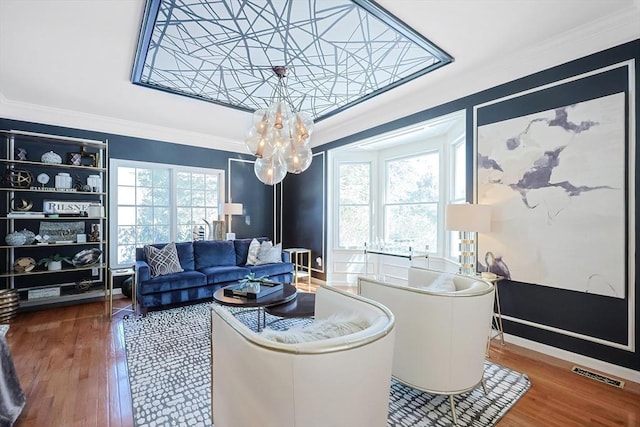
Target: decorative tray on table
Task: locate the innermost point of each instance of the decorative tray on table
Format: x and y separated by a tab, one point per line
242	290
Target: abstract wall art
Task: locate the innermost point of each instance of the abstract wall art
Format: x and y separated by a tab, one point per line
557	183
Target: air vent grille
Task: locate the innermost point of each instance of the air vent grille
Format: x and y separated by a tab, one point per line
598	377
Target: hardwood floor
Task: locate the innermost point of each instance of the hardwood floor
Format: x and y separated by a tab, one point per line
71	363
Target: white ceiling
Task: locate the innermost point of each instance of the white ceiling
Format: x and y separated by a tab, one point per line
68	63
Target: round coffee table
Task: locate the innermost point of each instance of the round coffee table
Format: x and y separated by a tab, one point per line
302	306
287	294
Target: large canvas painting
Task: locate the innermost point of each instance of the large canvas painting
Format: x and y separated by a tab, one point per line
556	183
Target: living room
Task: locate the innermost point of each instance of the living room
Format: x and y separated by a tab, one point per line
71	76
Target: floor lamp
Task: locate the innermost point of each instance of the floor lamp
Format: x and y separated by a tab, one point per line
468	219
230	209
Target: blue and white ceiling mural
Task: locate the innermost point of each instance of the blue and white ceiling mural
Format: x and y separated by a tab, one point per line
338	52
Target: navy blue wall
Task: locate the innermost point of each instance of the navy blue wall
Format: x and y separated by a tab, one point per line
303	208
588	314
256	198
246	187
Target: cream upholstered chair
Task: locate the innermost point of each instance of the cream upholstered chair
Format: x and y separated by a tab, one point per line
340	381
441	337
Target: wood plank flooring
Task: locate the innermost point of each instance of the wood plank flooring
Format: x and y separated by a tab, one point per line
72	367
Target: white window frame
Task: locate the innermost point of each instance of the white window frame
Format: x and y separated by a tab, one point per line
352	158
452	243
385	160
114	164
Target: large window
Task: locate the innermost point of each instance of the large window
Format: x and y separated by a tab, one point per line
354	199
412	191
392	189
156	203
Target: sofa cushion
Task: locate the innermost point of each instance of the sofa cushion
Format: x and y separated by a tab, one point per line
173	281
336	325
271	269
213	253
224	273
242	248
163	261
185	254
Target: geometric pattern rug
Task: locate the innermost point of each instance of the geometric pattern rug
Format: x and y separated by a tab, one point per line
169	363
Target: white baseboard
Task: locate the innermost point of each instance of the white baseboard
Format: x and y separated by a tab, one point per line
584	361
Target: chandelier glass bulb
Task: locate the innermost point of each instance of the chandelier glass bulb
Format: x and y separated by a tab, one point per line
301	125
297	158
270	170
279	136
258	143
279	114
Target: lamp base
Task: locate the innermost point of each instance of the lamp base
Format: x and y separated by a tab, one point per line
231	236
467	256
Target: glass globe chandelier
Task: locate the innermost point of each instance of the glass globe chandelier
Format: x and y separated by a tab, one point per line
279	136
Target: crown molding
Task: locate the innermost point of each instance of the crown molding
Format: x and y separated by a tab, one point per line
14	110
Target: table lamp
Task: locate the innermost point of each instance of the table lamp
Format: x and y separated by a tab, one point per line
230	209
468	219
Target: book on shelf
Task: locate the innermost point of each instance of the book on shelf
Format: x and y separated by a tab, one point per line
25	214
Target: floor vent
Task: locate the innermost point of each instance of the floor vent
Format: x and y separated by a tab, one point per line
598	377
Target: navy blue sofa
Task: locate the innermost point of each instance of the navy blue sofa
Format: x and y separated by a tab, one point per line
208	265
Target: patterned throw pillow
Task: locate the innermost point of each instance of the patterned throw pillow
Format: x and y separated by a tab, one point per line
269	254
163	261
252	256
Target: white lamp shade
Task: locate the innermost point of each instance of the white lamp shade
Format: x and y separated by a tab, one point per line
232	209
468	217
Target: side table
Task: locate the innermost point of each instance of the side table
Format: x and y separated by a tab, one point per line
298	258
496	321
121	272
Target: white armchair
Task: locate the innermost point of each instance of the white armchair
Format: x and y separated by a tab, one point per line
441	337
340	381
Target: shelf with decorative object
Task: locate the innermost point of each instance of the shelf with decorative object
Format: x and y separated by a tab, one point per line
54	209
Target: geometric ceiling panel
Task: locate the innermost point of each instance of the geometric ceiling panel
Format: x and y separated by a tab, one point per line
338	52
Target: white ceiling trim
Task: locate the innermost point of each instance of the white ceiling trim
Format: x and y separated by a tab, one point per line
80	120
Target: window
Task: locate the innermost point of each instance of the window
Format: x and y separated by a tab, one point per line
354	200
392	189
412	191
157	203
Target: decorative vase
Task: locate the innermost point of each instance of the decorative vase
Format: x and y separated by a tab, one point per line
253	287
54	265
29	236
15	239
63	181
51	157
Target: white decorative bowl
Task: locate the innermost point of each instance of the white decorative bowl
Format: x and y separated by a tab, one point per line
51	157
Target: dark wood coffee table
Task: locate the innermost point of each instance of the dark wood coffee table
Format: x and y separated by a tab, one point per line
287	294
302	306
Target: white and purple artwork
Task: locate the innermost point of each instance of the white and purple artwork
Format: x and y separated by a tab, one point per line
556	183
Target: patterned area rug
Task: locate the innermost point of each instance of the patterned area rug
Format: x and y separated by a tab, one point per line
168	357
